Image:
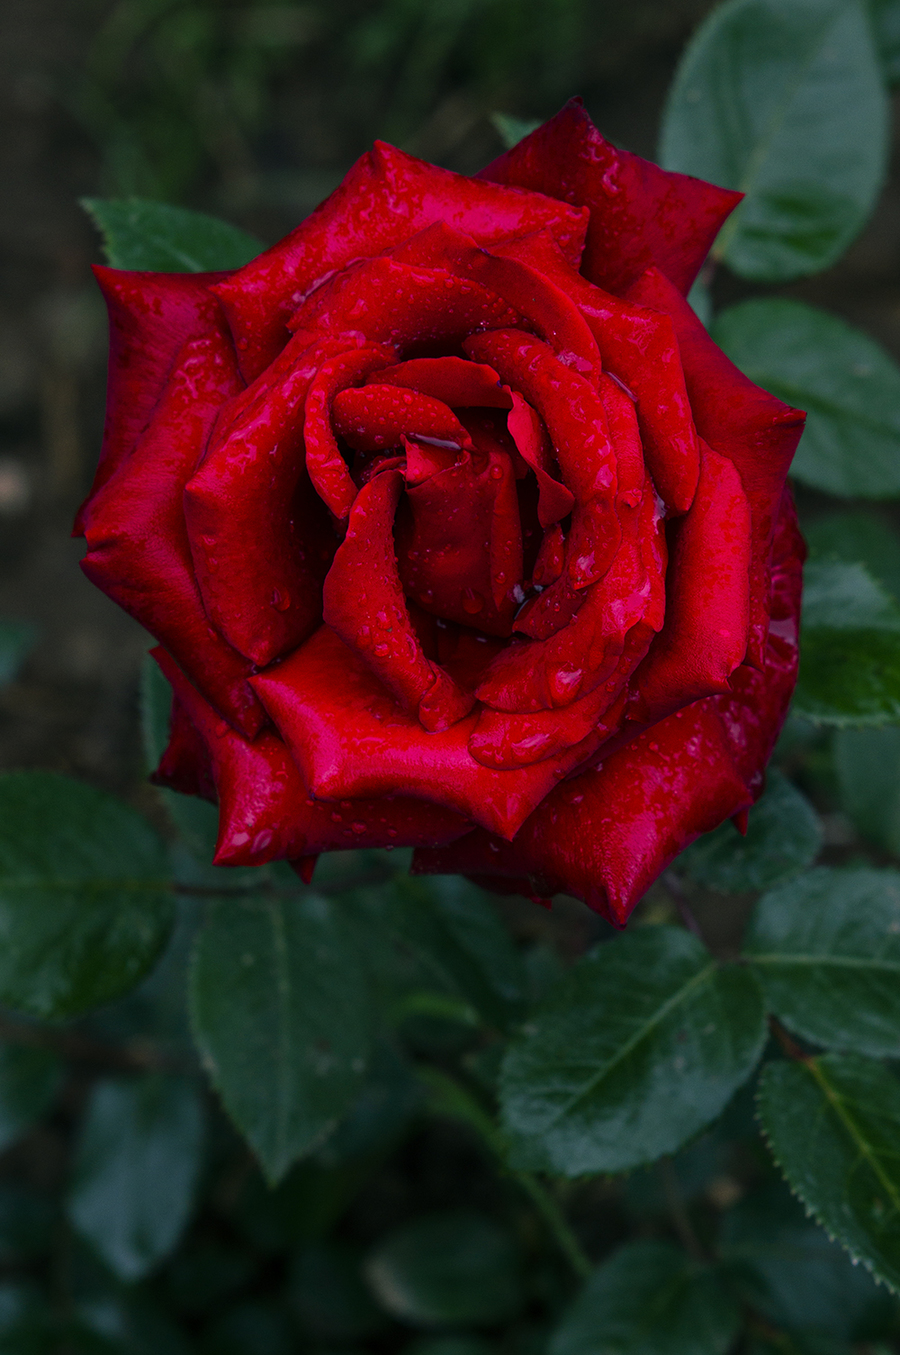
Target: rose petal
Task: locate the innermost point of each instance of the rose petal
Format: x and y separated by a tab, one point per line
455	381
605	835
459	542
363	603
327	468
704	637
386	197
383	301
138	551
641	215
555	500
541	674
352	740
185	765
265	813
639	347
740	421
372	417
548	309
151	317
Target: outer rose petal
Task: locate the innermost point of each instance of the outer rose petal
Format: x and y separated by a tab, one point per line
606	835
259	534
386	197
151	317
756	431
185	765
640	214
265	813
704	637
138	550
352	740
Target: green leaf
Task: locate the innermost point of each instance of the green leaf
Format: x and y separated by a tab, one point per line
886	26
867	762
826	949
782	99
858	538
850	648
447	1269
649	1298
141	234
784	836
512	130
846	382
84	904
788	1270
455	930
833	1125
135	1170
16	641
381	1114
283	1018
29	1082
639	1047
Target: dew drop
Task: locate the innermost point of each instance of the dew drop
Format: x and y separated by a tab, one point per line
280	600
473	602
358	827
382	651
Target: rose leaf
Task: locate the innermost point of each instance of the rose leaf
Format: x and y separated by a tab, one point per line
640	1045
85	905
141	234
826	949
833	1125
785	101
282	1016
136	1167
649	1298
846	382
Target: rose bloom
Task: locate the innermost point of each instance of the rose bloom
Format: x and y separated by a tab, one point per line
456	529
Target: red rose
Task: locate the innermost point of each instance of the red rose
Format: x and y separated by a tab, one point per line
455	527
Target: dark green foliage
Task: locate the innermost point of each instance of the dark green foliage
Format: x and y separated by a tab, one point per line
638	1048
84	904
782	99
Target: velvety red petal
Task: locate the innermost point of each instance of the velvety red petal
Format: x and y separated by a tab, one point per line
548	310
459	542
740	421
260	536
352	740
265	812
363	603
704	637
383	301
541	674
324	462
138	551
455	381
372	417
638	346
151	317
185	765
641	215
386	197
555	501
569	405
